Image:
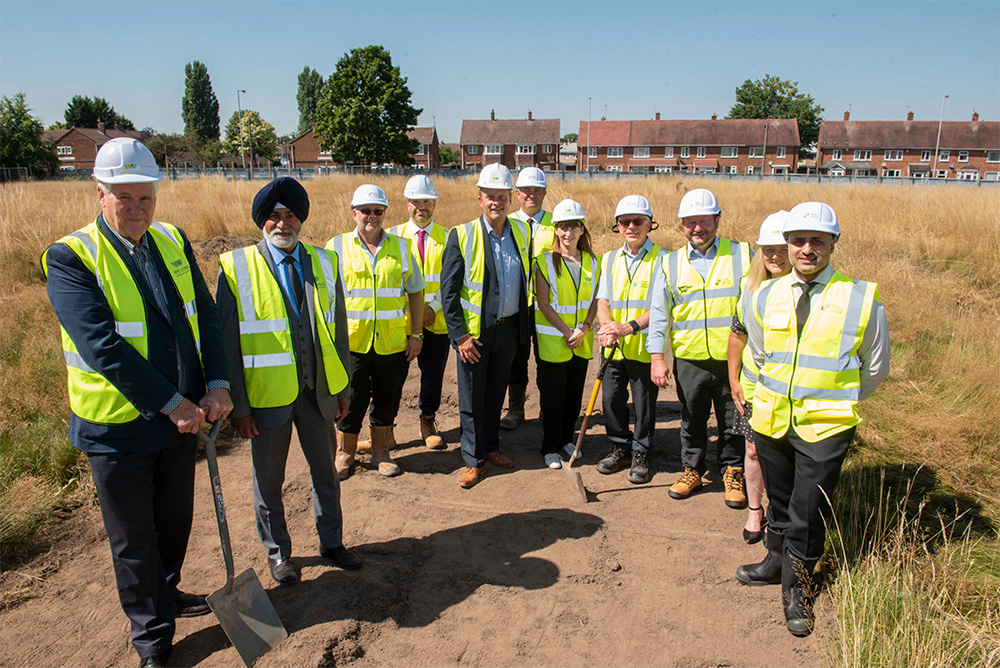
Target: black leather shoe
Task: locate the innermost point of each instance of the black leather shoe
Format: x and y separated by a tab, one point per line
640	469
155	661
615	461
283	572
188	605
341	557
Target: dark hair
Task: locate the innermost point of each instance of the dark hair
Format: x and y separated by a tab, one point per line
583	243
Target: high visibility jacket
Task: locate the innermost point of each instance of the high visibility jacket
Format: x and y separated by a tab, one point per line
811	382
269	369
430	265
542	236
749	372
472	244
703	309
376	304
631	297
91	396
571	302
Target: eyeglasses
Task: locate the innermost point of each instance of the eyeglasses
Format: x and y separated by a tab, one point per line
631	223
372	212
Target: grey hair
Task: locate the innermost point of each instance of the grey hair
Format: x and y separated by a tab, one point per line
106	187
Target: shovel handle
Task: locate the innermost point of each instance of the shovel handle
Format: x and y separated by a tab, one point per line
590	404
220	506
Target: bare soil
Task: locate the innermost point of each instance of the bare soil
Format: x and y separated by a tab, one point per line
514	572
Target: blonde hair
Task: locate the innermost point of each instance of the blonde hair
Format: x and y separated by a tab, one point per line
758	273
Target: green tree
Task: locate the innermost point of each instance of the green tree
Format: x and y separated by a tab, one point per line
85	112
448	157
364	110
569	138
21	142
773	97
58	125
265	140
199	107
310	86
168	148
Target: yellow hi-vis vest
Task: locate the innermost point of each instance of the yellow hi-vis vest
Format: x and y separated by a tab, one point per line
430	265
703	309
749	372
269	370
542	237
631	297
376	305
473	248
92	397
811	382
570	302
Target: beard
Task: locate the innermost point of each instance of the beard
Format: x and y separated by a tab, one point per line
285	241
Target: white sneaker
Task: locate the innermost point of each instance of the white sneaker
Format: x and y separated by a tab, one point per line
553	461
569	448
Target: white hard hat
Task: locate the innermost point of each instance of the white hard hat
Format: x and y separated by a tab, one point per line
568	210
369	194
531	177
495	176
125	160
698	202
420	187
771	230
633	204
812	217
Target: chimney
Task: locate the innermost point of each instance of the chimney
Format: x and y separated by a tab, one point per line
909	116
100	126
975	117
657	115
714	117
847	115
604	118
493	115
529	114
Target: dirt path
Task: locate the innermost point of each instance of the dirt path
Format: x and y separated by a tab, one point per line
515	572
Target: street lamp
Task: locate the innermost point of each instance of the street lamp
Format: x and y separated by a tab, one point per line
239	112
588	134
937	144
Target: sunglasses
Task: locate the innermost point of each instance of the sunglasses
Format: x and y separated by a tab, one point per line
372	212
631	223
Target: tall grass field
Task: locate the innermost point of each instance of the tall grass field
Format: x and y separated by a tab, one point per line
913	559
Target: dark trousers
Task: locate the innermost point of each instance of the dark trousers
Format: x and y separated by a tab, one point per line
269	453
799	478
147	499
432	360
560	386
519	367
700	385
376	381
620	376
481	390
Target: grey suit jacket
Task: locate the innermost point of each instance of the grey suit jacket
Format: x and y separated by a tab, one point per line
275	417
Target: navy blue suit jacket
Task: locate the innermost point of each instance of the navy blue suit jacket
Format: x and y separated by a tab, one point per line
84	313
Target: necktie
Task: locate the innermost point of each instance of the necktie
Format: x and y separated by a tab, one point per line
802	307
420	243
296	283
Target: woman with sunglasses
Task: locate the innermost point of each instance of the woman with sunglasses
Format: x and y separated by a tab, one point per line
566	278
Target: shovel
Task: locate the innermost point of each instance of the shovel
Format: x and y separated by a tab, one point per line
244	611
573	478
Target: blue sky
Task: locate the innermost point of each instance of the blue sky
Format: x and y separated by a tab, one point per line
462	59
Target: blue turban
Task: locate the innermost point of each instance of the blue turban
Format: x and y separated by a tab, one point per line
284	190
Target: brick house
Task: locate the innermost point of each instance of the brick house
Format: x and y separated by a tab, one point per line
426	156
304	151
726	146
892	149
515	143
76	148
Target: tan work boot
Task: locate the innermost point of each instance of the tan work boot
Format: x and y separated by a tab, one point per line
515	407
686	485
380	452
429	432
347	445
732	479
365	446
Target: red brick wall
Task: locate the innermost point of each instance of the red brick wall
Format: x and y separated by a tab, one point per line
84	150
742	161
951	165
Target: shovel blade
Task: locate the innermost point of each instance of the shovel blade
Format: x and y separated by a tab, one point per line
247	616
575	482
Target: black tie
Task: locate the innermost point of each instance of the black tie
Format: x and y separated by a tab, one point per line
802	307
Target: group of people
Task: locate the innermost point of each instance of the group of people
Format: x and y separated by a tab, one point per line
778	343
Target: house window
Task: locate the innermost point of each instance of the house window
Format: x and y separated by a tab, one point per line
613	168
592	152
779	170
891	173
944	155
893	155
729	152
493	149
838	154
663	169
702	151
546	148
860	154
756	151
963	156
942	174
640	152
615	151
669	153
751	169
64	150
731	169
836	172
420	151
633	168
991	176
969	176
686	152
67	168
472	150
525	149
925	156
781	152
993	156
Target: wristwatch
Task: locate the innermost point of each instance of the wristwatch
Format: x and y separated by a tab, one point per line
418	337
634	325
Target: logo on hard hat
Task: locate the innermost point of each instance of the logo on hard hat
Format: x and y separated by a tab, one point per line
129	165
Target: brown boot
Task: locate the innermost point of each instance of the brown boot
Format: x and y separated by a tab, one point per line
380	452
515	407
365	446
347	445
429	432
732	480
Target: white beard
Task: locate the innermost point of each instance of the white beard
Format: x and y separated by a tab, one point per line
285	242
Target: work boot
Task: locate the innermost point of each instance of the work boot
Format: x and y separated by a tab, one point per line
686	485
380	452
515	407
732	480
768	571
365	445
615	461
347	446
429	432
640	469
797	594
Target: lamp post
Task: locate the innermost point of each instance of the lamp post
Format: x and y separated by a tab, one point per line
588	134
239	112
250	142
937	144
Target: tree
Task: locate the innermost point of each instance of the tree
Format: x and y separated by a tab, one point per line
364	110
58	125
448	157
86	112
265	140
569	138
21	142
772	97
199	107
310	86
168	148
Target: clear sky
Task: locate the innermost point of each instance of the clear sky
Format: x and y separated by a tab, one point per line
462	59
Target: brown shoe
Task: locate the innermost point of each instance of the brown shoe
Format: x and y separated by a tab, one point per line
470	476
515	407
347	445
429	432
732	479
499	460
686	485
380	452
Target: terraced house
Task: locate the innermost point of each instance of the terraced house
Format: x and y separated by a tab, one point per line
76	148
516	143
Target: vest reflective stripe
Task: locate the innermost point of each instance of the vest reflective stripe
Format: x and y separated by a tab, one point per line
376	304
270	372
811	382
430	265
91	396
703	309
472	243
570	302
631	297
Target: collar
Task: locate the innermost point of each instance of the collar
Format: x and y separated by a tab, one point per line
489	228
823	278
413	227
693	252
647	246
523	215
358	239
129	246
279	254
